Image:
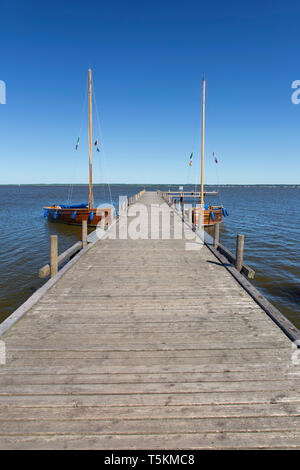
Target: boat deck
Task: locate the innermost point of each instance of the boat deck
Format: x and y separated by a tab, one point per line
144	344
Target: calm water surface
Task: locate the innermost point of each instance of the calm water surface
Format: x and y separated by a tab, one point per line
269	217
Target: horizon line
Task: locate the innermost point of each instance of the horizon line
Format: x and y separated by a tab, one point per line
149	184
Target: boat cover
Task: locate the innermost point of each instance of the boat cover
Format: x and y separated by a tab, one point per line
75	206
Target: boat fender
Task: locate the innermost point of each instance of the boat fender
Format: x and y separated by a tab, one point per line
91	216
206	207
55	214
74	214
212	215
224	212
45	213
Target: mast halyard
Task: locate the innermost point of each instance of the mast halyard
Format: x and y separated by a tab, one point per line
90	139
202	146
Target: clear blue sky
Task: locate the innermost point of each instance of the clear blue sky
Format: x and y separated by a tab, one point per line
148	59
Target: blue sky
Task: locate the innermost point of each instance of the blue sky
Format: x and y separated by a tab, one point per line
148	59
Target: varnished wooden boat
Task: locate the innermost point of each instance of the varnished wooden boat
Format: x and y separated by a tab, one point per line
75	214
212	215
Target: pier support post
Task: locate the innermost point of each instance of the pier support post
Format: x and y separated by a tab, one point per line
216	236
53	255
84	233
190	215
200	223
239	252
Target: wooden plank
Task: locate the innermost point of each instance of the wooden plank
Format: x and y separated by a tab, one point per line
227	360
147	412
220	440
142	427
249	376
148	388
98	368
151	399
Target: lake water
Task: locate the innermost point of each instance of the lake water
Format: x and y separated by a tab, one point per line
268	216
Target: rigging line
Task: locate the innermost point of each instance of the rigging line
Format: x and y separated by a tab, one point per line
100	167
215	155
70	192
218	198
188	172
102	144
197	142
197	152
218	183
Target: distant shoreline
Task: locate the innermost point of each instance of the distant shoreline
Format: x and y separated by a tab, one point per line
267	185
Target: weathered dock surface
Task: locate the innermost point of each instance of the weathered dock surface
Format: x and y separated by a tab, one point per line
143	344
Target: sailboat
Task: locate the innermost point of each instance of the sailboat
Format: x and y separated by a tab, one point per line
75	214
211	214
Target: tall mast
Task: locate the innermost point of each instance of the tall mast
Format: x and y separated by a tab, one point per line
90	138
202	146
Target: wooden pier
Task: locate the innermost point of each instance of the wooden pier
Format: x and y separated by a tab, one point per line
143	344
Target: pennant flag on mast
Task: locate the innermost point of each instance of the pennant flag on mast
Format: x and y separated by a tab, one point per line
96	145
77	143
215	158
191	159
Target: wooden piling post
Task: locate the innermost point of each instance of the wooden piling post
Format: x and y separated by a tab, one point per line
190	215
216	236
198	217
84	233
53	255
182	206
239	252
